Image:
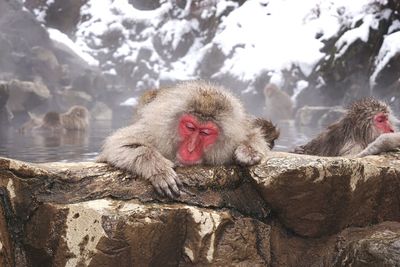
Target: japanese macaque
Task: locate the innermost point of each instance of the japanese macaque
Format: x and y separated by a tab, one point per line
366	128
268	130
278	104
76	118
191	123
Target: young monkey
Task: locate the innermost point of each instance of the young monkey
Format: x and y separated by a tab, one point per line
192	123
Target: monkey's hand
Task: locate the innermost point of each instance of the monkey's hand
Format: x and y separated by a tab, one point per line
384	142
166	183
247	155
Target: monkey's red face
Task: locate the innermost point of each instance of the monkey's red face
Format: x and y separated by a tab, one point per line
195	137
382	123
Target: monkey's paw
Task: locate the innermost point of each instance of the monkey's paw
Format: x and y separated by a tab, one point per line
247	155
167	183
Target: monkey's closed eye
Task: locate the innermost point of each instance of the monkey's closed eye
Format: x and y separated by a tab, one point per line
190	126
205	132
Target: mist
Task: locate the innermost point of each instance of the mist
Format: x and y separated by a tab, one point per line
103	55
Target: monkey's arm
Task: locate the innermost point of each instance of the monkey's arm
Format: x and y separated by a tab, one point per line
127	149
385	142
252	150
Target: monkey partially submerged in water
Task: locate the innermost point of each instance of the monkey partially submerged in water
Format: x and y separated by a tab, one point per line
75	119
192	123
367	128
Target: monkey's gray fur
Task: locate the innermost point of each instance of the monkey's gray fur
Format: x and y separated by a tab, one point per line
148	148
353	133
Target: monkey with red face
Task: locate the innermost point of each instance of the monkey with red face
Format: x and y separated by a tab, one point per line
192	123
367	128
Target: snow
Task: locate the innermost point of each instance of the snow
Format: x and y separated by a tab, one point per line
130	102
58	36
389	49
260	36
278	35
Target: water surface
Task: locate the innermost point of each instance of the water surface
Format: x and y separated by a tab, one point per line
77	146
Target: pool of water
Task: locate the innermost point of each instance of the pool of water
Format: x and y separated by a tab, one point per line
76	146
43	147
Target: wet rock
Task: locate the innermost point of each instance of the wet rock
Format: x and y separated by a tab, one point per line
59	14
320	212
378	247
5	114
318	116
100	111
86	214
68	98
317	196
26	95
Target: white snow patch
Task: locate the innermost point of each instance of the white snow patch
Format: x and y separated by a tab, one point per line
300	85
390	48
58	36
130	102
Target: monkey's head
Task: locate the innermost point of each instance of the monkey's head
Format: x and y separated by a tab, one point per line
270	89
371	118
201	128
204	123
79	112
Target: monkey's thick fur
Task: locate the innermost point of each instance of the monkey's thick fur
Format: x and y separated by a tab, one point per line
149	146
75	119
352	133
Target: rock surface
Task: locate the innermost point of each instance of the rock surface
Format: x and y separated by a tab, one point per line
292	210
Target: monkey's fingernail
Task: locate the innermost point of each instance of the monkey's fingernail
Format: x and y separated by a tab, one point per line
169	194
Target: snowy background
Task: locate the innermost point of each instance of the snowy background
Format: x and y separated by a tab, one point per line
236	44
103	54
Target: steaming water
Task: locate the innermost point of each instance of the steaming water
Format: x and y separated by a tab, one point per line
43	147
76	146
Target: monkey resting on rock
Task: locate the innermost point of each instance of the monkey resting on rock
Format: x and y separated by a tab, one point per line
366	129
192	123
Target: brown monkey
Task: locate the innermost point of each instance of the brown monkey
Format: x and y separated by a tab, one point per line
385	142
364	121
191	123
278	104
268	130
76	118
147	97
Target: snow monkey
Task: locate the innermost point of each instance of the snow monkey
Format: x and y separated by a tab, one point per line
278	104
192	123
268	129
367	128
76	118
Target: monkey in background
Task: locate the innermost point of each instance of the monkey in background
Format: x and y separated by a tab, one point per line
278	104
367	128
268	130
76	118
192	123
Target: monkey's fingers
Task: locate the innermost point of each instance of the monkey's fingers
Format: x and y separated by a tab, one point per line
247	156
162	188
166	185
172	182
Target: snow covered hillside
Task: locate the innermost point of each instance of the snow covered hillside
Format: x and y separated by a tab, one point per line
318	51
